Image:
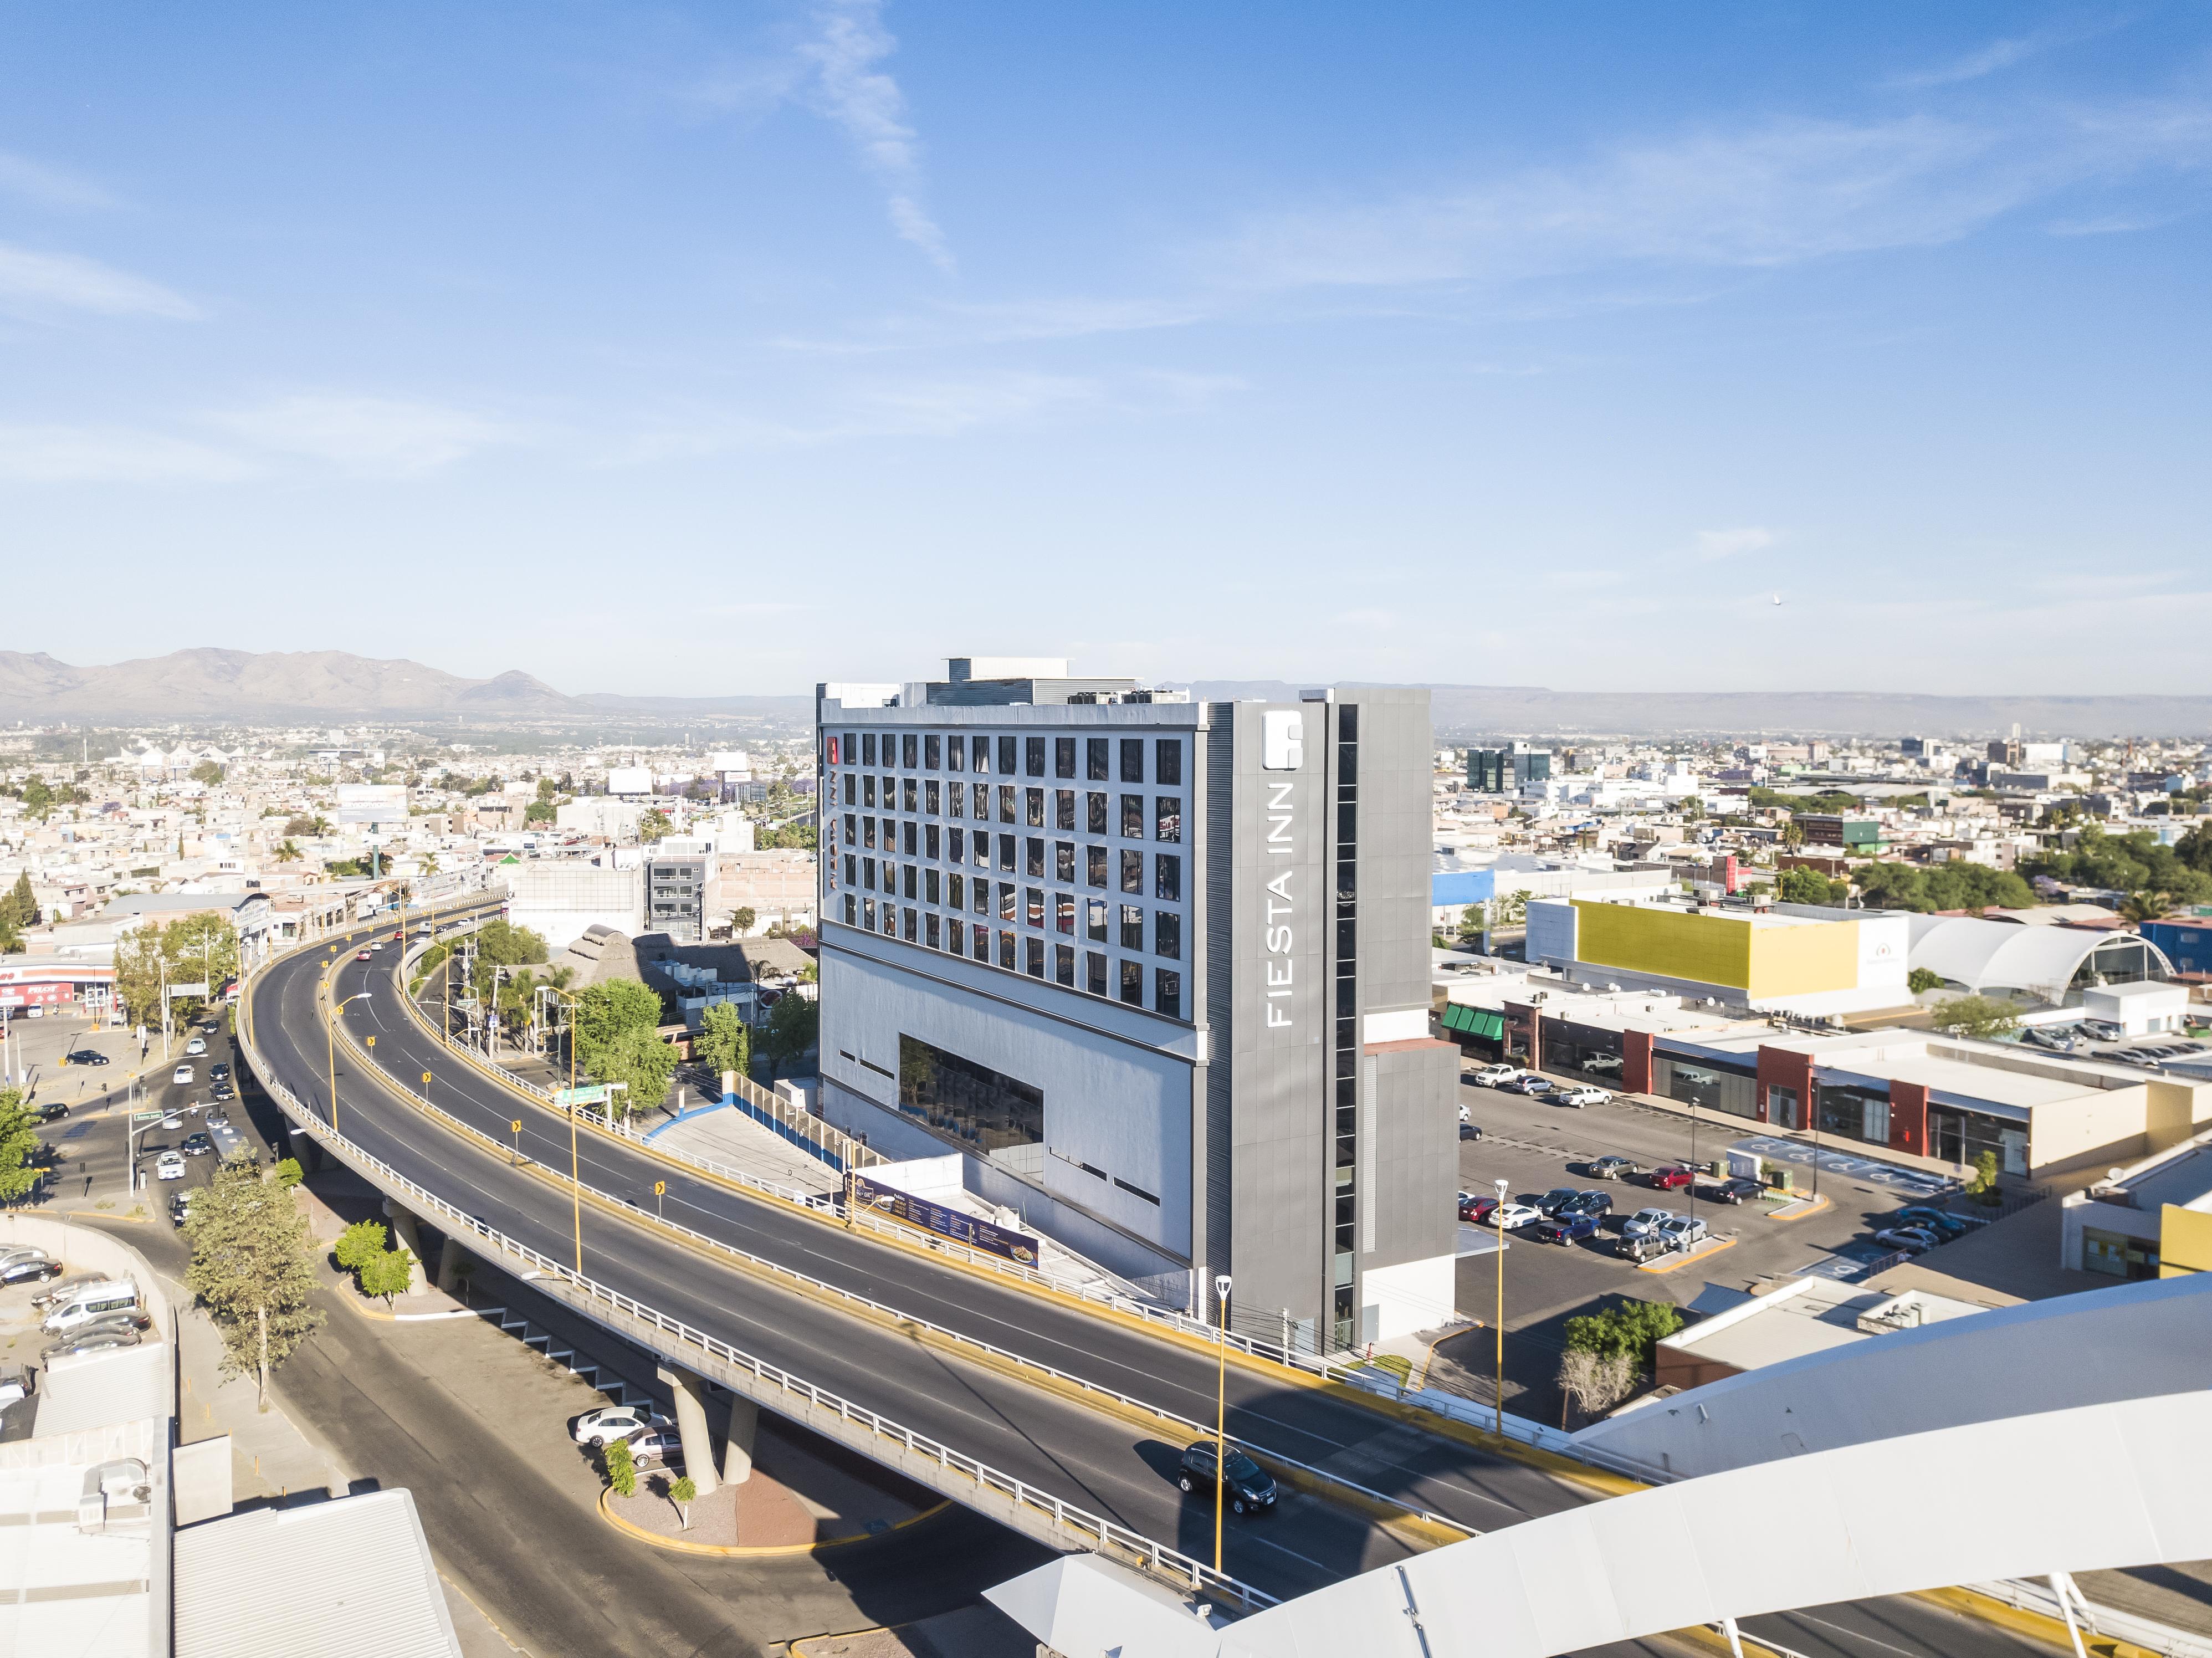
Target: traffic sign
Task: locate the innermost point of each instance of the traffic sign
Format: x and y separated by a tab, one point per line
516	1125
148	1117
660	1187
426	1079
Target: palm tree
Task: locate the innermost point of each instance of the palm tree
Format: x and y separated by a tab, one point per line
288	852
2141	906
430	863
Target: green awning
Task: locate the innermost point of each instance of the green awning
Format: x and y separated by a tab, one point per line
1474	1021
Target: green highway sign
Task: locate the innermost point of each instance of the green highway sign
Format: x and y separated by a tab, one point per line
148	1117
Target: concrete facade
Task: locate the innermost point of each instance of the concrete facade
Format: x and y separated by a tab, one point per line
1197	970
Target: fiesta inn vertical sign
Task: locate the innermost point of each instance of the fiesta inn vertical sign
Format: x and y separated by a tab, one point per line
1282	751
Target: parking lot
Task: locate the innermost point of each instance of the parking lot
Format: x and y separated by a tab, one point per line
1536	1147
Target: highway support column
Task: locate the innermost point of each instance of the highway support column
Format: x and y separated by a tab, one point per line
410	1238
449	1265
691	1426
737	1448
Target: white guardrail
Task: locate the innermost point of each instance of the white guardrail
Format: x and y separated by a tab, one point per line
1349	1371
1168	1563
821	1289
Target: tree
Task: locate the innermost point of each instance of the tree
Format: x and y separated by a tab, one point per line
548	789
792	837
604	1011
1629	1330
653	826
1809	886
723	1042
38	796
287	852
208	773
21	904
622	1468
1975	1016
683	1492
11	936
1923	978
1982	1188
287	1174
1593	1382
1792	836
2141	906
641	1063
359	1243
792	1025
387	1273
250	1268
540	811
743	918
19	1143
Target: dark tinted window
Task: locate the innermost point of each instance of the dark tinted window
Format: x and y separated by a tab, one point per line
982	746
967	1102
1063	756
1095	818
1167	876
1034	755
867	748
1167	817
1167	935
956	754
1094	859
1168	761
1063	861
1034	866
929	747
906	750
1095	758
1167	998
1007	761
1133	983
1132	872
1133	817
1063	813
1132	760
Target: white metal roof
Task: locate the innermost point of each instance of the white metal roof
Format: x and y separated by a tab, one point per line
361	1577
2004	954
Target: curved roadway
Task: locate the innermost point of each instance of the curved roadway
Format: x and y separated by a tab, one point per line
1082	1455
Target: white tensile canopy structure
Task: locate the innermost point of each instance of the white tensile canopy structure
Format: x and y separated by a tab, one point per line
2119	1481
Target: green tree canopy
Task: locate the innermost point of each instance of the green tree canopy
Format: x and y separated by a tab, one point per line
1809	886
1975	1016
2134	862
19	1143
723	1042
192	948
1923	979
250	1268
207	772
1955	885
387	1273
793	837
792	1025
361	1241
20	905
653	826
1629	1329
742	917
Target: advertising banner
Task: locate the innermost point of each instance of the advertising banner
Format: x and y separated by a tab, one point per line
372	803
954	1224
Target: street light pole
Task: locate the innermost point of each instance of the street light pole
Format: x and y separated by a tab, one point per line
575	1175
1503	1188
1221	1285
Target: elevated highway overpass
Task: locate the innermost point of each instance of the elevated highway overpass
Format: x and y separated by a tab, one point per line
808	1322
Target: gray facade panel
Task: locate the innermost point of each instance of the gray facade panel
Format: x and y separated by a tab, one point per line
1277	1047
1416	1152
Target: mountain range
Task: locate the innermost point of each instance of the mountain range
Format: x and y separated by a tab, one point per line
275	686
256	687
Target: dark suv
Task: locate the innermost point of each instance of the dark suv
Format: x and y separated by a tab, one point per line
1249	1488
1556	1199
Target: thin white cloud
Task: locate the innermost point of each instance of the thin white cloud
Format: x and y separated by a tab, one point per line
849	88
38	282
368	436
1728	544
107	454
1997	56
46	186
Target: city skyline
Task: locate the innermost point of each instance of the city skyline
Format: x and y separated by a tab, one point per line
581	344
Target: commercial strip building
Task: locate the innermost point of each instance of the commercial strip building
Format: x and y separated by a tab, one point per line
1806	960
2041	1114
1158	970
1789	1320
2152	1219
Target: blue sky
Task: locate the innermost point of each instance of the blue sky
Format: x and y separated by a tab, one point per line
694	349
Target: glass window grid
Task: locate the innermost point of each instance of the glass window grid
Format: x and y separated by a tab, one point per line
1134	818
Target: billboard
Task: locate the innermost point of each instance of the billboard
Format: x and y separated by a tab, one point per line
372	803
630	779
954	1224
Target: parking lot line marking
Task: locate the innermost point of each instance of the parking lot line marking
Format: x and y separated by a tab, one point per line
1812	1207
1673	1262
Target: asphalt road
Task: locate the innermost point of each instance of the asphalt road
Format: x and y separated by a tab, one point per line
1078	1454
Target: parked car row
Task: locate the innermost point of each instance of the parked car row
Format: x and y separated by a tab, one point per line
1917	1228
1512	1079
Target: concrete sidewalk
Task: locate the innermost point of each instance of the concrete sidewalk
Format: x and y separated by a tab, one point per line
723	1135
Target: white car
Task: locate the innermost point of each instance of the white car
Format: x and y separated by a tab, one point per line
1463	1115
1506	1216
170	1165
182	1076
1496	1076
615	1422
1645	1221
1682	1232
195	1047
1578	1097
